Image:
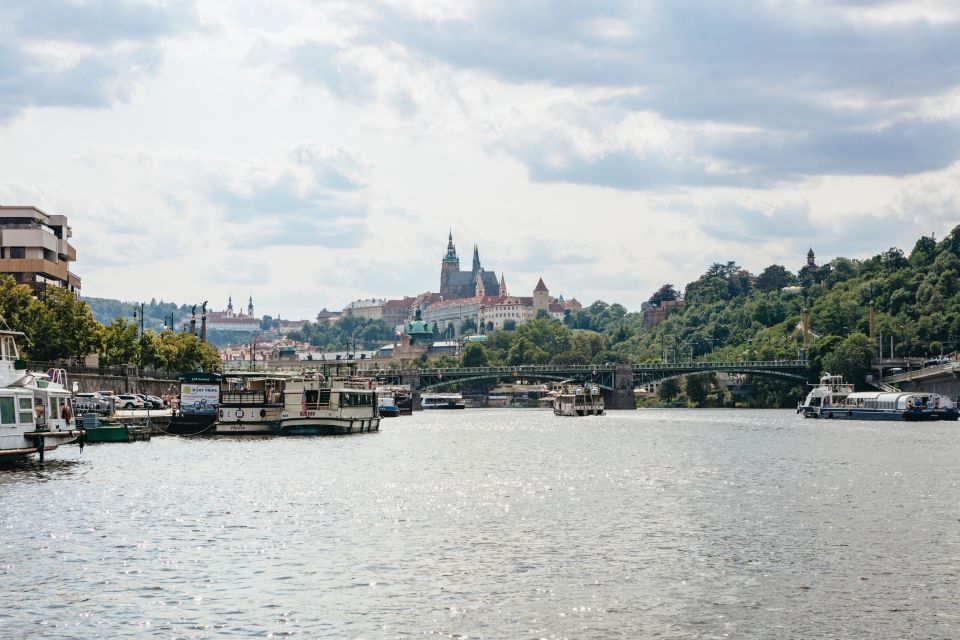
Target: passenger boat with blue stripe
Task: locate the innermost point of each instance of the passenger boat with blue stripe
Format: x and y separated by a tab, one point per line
834	399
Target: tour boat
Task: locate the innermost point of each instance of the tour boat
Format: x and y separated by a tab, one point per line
33	418
251	404
835	399
442	401
578	401
321	405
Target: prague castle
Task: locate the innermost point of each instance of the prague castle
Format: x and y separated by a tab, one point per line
455	283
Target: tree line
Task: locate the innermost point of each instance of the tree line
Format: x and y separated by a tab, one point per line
58	326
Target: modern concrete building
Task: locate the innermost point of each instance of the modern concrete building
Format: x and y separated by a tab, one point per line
34	248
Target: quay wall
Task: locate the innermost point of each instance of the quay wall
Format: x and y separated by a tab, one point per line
127	379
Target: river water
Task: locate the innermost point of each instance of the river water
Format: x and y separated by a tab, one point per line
495	523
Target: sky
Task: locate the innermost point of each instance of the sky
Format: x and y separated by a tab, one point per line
309	154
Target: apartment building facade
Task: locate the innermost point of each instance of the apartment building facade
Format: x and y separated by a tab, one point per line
35	248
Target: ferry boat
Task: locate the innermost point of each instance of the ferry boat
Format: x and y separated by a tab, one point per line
578	401
319	405
36	413
834	399
251	403
442	401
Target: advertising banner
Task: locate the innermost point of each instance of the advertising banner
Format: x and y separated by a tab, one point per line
199	397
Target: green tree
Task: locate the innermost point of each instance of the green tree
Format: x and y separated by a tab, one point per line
474	355
668	389
851	359
774	278
120	344
64	327
665	293
697	388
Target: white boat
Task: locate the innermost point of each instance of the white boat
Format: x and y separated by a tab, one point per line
834	399
251	404
326	406
578	401
32	417
442	401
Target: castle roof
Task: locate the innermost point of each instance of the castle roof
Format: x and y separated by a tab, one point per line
540	286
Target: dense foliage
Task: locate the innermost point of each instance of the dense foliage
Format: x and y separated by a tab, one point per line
60	327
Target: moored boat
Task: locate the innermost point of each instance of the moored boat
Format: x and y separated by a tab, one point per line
386	406
322	405
578	401
834	399
442	401
251	404
36	412
199	400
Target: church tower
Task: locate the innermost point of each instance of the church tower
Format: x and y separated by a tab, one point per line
503	286
250	306
811	258
230	307
541	299
450	264
479	290
476	260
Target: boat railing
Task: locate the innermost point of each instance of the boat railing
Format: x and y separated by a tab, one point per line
243	397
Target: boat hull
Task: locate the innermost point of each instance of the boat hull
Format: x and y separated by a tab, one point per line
318	426
191	424
855	413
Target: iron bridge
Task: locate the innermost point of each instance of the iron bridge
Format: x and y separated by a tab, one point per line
611	377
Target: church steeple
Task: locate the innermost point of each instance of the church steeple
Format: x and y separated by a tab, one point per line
250	306
451	257
476	259
230	306
503	285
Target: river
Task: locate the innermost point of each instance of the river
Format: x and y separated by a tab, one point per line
495	523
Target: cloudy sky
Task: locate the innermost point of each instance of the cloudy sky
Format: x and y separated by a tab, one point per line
312	153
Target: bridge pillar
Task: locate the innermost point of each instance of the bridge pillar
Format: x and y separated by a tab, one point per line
621	398
412	378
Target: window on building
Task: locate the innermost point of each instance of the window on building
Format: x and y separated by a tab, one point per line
17	253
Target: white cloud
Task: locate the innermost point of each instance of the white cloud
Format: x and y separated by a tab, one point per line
316	153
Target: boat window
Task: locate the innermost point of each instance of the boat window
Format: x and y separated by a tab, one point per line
7	412
26	410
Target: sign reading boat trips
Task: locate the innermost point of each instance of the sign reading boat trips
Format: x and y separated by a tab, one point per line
199	398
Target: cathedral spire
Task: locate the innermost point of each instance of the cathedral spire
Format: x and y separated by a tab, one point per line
503	285
451	256
476	259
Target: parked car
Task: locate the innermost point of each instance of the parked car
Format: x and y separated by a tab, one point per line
91	402
153	401
935	362
129	401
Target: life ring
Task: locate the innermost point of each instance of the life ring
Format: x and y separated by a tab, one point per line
239	413
830	415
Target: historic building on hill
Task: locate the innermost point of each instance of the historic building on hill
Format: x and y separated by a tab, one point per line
455	283
228	320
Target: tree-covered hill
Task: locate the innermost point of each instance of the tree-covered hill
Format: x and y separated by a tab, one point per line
732	314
